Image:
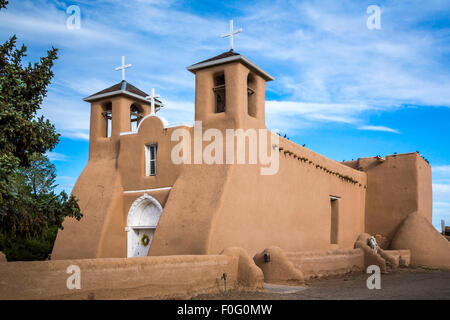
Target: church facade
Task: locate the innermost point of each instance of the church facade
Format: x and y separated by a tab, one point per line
137	202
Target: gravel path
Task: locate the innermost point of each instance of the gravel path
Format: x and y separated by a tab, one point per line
396	285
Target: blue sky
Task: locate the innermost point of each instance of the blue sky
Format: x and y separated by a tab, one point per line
343	90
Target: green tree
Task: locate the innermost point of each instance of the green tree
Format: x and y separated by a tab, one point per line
28	204
3	3
38	204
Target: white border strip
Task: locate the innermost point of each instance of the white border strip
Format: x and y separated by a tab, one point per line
147	190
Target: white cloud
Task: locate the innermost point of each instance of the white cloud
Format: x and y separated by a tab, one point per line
330	67
441	191
441	211
378	128
178	111
330	56
442	170
85	86
70	118
441	174
441	194
438	204
327	112
55	156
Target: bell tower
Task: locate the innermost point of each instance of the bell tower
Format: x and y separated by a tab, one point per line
230	88
115	110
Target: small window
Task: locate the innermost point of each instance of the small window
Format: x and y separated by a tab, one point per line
150	159
219	93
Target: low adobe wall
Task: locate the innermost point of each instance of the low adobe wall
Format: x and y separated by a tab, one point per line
277	268
403	257
165	277
317	264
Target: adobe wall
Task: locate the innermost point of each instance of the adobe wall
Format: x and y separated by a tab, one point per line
192	196
428	247
185	225
131	159
292	208
317	264
171	277
396	186
277	267
99	192
211	207
424	188
403	257
108	186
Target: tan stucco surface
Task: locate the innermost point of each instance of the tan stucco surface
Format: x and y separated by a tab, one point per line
428	247
172	277
396	186
279	270
318	264
402	257
377	257
290	209
98	189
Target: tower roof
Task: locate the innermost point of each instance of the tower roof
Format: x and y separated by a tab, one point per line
226	57
121	88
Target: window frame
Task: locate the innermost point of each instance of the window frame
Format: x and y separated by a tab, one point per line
149	159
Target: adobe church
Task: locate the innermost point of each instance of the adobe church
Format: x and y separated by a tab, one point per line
137	202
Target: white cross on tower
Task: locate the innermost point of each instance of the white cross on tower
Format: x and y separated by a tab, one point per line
152	98
123	67
231	34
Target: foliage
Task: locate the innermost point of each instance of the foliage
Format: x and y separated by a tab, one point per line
28	248
3	3
35	213
35	206
28	204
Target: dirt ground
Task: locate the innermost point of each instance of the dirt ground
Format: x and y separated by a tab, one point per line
396	285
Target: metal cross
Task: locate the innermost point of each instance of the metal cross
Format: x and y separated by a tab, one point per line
123	67
231	34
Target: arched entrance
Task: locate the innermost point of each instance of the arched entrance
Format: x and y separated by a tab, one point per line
142	221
